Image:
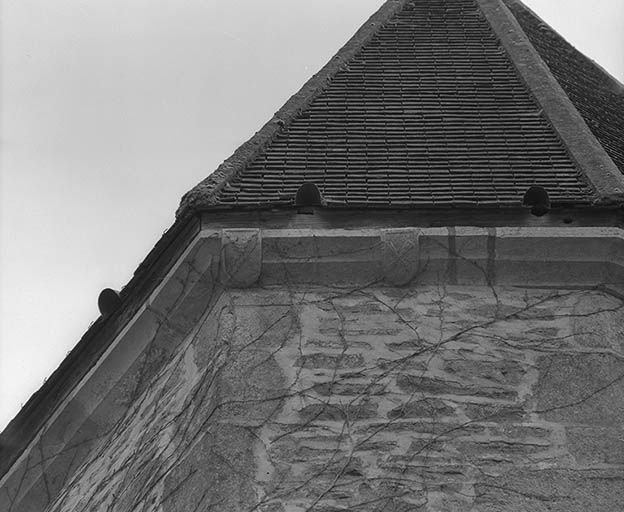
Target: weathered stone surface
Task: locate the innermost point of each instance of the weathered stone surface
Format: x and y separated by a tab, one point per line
582	388
220	468
501	371
331	362
349	388
324	411
426	407
596	445
439	386
598	322
429	399
400	255
241	258
495	412
552	490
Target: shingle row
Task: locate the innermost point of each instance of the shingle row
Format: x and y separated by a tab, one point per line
429	112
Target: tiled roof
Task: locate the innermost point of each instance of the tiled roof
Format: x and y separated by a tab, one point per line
597	96
427	110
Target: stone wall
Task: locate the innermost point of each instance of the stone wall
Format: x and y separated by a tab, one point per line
424	398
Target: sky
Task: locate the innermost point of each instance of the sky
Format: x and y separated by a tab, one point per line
111	110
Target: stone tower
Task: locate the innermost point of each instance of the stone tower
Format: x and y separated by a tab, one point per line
404	293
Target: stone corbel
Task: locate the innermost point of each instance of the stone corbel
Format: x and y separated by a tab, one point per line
400	255
241	257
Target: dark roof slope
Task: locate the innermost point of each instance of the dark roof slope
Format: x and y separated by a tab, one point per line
424	107
598	97
429	112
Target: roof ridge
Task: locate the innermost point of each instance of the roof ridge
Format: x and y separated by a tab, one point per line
591	158
204	193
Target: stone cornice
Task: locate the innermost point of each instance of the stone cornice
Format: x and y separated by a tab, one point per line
550	256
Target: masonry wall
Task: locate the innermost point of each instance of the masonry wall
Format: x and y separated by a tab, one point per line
424	398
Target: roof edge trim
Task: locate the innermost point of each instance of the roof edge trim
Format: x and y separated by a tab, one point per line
204	193
95	341
594	162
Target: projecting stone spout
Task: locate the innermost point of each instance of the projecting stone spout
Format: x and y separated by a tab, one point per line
108	302
309	195
537	198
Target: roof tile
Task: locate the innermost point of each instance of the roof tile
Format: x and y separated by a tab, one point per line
425	109
429	112
597	96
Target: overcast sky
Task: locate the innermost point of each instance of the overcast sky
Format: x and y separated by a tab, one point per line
111	110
